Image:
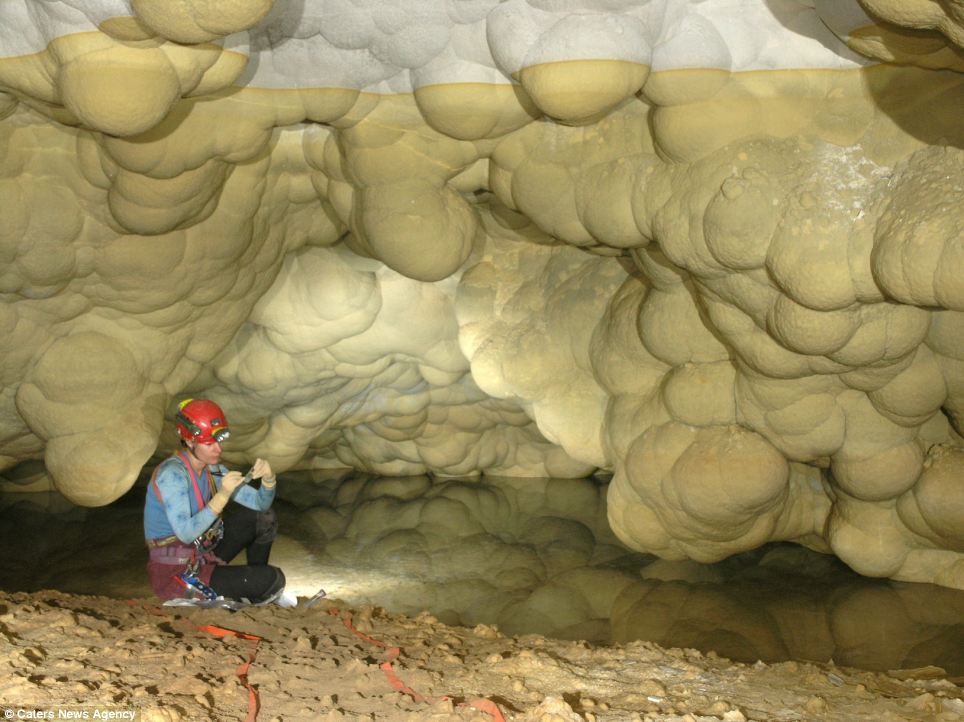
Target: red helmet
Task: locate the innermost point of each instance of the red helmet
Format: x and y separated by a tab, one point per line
201	421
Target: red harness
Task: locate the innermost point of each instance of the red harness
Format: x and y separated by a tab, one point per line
199	498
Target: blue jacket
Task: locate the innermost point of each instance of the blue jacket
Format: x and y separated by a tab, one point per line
179	513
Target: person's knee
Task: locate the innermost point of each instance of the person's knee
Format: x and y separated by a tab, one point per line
275	584
266	527
279	582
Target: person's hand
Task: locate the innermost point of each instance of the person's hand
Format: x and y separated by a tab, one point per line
231	481
262	470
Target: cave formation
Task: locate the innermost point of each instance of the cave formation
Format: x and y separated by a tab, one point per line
712	249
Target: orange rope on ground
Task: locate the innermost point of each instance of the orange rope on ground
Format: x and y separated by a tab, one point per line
391	654
254	704
482	704
242	671
398	684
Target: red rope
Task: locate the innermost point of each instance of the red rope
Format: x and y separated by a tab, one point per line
254	704
482	704
391	654
242	671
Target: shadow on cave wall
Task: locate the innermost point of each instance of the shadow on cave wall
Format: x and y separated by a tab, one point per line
925	103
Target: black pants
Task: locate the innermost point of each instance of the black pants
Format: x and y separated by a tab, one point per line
253	532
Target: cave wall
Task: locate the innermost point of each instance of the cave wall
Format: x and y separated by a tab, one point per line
715	249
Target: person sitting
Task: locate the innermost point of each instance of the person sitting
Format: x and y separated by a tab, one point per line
188	539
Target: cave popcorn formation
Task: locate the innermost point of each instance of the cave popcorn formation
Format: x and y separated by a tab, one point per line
713	247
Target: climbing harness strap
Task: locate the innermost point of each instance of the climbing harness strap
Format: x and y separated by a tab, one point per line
214	534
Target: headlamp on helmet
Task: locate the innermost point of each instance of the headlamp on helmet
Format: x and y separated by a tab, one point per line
202	421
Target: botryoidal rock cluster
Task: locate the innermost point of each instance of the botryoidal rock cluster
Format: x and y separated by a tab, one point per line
716	248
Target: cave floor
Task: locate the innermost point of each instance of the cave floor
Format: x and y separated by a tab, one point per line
104	656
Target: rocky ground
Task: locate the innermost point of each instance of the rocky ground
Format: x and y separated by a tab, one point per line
85	657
